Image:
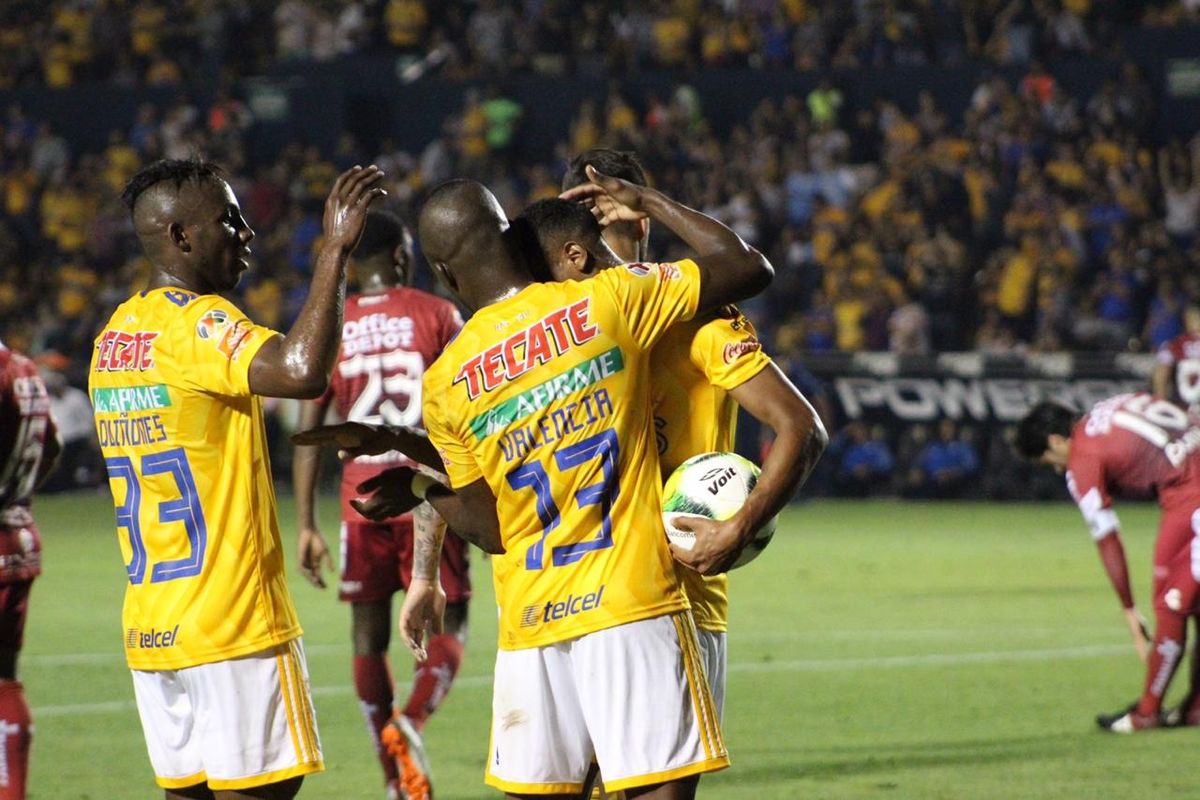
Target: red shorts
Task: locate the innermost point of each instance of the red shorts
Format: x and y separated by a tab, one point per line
20	563
1177	561
377	561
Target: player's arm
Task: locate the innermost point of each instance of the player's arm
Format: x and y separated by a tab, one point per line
51	450
800	439
1160	380
312	550
424	609
1084	481
354	439
730	269
298	363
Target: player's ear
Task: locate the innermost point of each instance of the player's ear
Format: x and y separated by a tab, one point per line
403	263
578	260
179	236
444	275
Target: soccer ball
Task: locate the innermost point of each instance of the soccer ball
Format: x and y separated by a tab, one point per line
713	485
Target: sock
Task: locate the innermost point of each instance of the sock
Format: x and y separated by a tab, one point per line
431	680
373	683
1166	651
16	726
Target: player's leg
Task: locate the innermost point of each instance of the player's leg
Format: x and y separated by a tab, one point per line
16	724
540	744
649	708
1174	594
371	626
370	576
256	728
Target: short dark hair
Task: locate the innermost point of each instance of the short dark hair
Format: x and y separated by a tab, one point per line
176	170
1045	419
383	232
555	221
623	164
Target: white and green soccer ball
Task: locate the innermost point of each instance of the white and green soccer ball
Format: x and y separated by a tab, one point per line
713	485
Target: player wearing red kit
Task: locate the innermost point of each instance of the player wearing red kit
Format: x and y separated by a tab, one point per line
28	448
1134	445
1177	371
391	332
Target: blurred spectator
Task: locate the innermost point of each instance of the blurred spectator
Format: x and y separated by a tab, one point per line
946	465
865	463
80	464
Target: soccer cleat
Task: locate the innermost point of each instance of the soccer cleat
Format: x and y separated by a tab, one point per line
1128	720
393	791
404	744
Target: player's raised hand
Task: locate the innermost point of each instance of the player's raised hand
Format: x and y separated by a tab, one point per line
1140	633
314	555
716	547
352	439
390	494
346	206
611	199
422	615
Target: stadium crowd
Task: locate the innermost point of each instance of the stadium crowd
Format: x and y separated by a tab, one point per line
1035	220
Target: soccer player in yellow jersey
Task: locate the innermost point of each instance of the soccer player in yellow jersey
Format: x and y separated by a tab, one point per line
176	377
702	371
541	409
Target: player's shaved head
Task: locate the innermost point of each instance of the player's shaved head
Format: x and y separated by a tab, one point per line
159	184
465	236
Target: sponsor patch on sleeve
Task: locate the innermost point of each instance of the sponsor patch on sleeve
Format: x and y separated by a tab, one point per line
211	324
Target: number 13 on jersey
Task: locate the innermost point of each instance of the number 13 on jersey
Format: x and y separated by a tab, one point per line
601	447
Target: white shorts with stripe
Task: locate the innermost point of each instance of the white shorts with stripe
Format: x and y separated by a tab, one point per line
713	648
632	698
234	724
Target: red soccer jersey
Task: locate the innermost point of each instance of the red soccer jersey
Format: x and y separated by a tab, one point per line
1137	446
1183	353
25	424
387	341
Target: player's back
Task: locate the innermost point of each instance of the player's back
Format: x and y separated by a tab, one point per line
388	339
1137	446
1182	354
185	446
546	396
24	426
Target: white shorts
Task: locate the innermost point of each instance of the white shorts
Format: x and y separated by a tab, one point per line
632	698
713	650
234	724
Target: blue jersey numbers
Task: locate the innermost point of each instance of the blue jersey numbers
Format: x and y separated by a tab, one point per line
185	510
602	448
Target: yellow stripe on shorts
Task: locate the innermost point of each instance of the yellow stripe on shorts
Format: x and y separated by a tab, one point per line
309	715
284	667
710	729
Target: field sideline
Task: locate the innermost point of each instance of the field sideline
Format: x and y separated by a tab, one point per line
877	650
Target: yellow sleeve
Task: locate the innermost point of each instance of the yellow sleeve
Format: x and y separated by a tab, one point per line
728	352
460	463
653	297
213	344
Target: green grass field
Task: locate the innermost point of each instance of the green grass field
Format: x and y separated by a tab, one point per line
877	650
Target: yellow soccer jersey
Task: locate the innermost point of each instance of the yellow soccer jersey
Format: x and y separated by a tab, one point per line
546	396
694	367
186	451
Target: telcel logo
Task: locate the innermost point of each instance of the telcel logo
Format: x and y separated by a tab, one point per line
151	639
553	611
